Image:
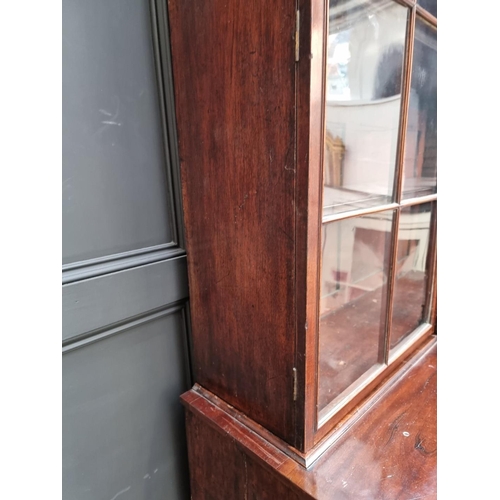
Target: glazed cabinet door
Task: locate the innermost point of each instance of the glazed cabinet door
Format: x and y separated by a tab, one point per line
376	222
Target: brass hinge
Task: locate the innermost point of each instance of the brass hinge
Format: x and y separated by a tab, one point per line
297	32
295	384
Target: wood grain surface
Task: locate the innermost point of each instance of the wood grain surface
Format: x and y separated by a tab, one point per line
234	79
390	453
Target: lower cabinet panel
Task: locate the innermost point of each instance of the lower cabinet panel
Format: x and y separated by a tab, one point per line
390	453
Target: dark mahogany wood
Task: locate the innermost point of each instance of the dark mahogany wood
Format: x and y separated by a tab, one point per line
250	125
220	469
390	453
310	140
235	90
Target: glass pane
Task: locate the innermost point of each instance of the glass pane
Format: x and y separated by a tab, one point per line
366	41
421	136
412	273
114	185
355	258
429	5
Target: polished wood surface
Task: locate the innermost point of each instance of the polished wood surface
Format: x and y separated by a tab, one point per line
235	91
390	453
250	124
310	150
220	469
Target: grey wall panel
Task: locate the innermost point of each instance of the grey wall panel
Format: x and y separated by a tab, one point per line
125	281
98	302
115	185
91	269
123	432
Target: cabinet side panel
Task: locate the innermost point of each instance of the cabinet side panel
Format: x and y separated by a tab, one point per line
221	470
216	466
265	485
234	79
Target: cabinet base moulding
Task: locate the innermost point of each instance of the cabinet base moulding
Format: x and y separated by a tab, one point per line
387	452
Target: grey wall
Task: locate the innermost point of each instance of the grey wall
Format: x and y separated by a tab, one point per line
122	424
125	294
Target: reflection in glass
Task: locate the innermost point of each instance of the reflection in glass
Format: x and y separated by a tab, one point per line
355	258
412	271
366	40
421	136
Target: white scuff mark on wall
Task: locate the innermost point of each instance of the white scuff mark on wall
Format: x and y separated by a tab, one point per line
114	116
121	492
